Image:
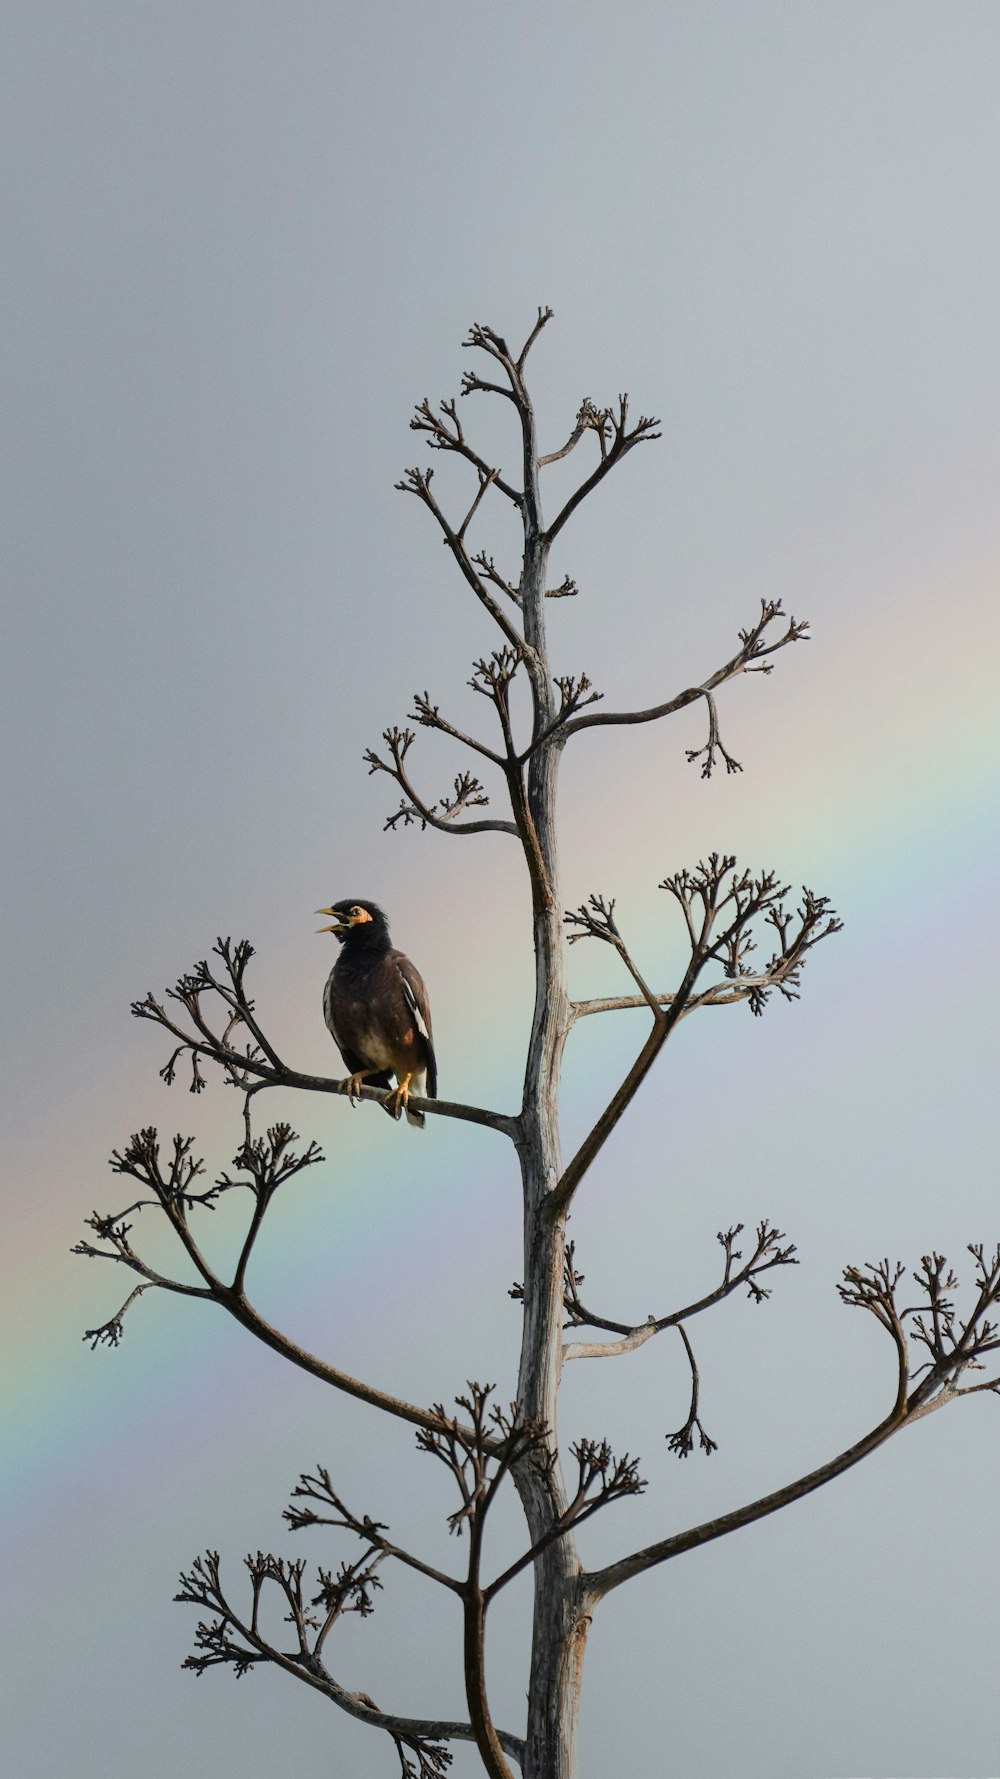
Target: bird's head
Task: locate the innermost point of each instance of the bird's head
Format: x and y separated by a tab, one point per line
352	918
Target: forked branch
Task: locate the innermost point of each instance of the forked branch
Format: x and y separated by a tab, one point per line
771	1249
615	438
486	339
445	433
751	657
227	1638
601	1478
269	1164
468	792
956	1345
418	482
318	1487
595	919
720	908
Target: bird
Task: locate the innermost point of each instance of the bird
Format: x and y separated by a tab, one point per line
376	1010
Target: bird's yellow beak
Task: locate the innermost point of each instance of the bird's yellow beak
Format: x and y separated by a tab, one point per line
339	925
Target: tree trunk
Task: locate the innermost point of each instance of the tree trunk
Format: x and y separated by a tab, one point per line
559	1625
558	1642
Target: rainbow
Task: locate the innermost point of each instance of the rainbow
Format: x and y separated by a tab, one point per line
904	748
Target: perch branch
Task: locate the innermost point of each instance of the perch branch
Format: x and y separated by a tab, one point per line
252	1072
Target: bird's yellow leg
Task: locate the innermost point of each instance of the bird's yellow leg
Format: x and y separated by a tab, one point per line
395	1100
353	1084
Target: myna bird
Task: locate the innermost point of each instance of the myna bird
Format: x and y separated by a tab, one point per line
376	1009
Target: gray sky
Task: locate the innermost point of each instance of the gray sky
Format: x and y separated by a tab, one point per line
240	242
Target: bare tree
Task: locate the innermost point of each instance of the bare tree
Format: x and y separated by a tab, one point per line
745	940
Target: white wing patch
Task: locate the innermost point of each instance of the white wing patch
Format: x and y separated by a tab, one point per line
411	1002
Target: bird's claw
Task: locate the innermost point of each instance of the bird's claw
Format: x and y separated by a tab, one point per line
395	1101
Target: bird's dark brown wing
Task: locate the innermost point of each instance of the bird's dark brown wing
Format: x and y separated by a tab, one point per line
419	1005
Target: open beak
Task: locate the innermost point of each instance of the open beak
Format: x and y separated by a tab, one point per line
339	926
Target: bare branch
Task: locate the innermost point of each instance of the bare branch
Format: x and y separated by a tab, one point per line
473	384
481	1452
468	792
227	1639
446	434
745	987
270	1165
749	658
491	573
418	482
544	315
720	907
588	419
485	483
110	1332
955	1347
596	920
486	339
768	1252
932	1324
270	1162
611	1349
319	1488
429	716
713	745
141	1161
615	439
492	677
602	1581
